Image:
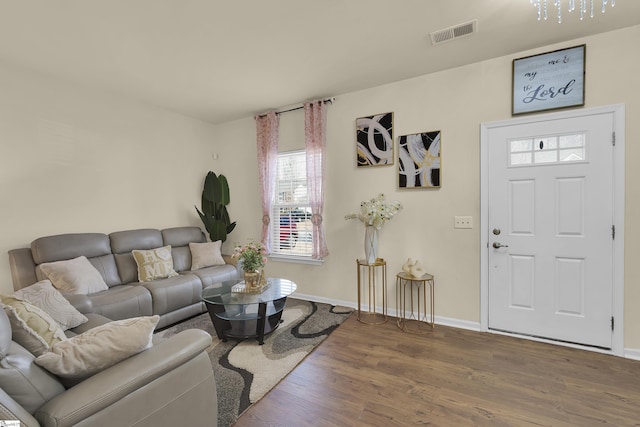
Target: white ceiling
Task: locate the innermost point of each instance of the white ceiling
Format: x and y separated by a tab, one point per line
218	60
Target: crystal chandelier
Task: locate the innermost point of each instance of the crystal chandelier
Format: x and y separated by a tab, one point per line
584	6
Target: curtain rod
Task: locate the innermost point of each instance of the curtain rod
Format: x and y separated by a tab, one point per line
299	107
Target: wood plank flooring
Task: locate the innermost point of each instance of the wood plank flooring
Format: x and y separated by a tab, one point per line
376	375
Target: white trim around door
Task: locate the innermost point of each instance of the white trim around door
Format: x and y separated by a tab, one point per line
618	190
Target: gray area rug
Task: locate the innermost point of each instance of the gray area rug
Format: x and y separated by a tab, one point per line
245	371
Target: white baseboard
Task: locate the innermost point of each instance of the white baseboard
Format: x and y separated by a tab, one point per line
629	353
632	353
440	320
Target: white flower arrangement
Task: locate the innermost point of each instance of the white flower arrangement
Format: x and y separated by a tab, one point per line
376	212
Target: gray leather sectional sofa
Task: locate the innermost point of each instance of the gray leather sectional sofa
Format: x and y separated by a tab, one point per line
173	299
170	384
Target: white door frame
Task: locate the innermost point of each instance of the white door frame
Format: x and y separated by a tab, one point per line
618	111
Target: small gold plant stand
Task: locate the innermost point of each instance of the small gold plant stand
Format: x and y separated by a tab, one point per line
411	303
367	272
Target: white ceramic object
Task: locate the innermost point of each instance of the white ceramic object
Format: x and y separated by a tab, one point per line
406	267
417	270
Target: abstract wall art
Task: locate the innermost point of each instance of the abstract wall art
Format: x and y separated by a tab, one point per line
374	140
419	160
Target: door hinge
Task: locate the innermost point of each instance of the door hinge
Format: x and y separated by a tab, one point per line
613	324
613	232
613	139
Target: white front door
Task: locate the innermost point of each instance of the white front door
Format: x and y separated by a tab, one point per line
550	236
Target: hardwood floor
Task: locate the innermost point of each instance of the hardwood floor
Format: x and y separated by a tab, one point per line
376	375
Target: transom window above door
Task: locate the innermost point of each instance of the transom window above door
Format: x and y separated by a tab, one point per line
547	150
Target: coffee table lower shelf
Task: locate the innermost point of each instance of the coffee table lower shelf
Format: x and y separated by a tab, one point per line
240	322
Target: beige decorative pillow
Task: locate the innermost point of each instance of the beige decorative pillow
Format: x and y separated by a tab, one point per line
154	263
75	276
44	296
31	327
206	254
98	348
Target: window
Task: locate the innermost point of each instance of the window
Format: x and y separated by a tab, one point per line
549	149
290	226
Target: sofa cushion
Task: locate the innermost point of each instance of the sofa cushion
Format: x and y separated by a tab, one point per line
31	327
67	246
121	302
154	264
125	241
216	274
174	293
43	295
99	348
75	276
182	236
205	254
179	239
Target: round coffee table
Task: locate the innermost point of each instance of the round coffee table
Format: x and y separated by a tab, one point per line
242	315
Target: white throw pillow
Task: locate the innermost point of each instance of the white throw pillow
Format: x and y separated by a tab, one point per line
43	295
75	276
154	263
87	354
206	254
31	327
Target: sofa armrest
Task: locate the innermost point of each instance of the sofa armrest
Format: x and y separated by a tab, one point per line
229	260
114	384
11	410
23	268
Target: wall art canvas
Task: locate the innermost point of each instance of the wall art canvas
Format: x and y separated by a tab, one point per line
419	160
374	140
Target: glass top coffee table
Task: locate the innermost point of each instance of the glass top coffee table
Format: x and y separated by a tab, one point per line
246	315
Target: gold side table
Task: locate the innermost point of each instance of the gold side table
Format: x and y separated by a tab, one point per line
368	272
411	303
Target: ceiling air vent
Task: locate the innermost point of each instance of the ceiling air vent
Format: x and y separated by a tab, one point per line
454	32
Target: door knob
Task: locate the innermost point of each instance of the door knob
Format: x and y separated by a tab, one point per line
498	245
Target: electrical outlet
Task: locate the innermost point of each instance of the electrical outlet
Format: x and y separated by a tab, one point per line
462	222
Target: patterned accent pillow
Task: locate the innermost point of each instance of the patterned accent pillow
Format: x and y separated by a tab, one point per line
154	263
75	276
206	254
44	296
98	348
31	327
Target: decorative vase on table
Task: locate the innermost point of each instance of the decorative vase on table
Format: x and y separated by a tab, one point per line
252	279
370	244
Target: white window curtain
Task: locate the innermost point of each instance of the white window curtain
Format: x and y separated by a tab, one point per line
315	123
267	139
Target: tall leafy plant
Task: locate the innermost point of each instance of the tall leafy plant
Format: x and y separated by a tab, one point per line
214	215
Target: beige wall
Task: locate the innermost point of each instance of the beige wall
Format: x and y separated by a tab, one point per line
78	161
456	102
90	186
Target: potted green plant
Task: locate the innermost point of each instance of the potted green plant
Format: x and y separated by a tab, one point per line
252	259
214	215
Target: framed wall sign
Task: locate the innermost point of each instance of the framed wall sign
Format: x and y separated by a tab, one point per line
549	81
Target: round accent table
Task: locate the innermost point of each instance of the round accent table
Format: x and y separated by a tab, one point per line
411	303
